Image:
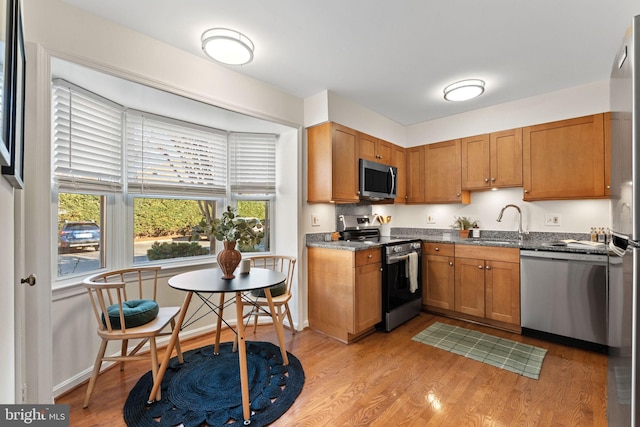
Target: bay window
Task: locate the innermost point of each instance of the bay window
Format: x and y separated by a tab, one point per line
155	177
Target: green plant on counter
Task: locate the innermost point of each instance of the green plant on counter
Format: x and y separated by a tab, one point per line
463	223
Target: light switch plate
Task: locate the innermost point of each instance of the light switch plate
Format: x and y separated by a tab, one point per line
552	219
431	219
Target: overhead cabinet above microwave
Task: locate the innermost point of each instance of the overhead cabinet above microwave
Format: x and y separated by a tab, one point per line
334	167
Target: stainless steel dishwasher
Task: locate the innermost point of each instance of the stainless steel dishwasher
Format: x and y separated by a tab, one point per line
564	296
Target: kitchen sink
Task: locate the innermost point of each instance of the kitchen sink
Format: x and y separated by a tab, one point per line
493	242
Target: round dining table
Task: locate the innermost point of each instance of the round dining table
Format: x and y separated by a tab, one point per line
210	281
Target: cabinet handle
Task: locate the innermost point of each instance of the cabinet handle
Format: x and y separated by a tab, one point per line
451	263
608	187
369	256
486	180
526	191
457	194
493	180
488	267
480	267
437	249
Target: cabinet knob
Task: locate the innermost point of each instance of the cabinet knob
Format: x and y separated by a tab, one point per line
437	249
457	194
486	180
480	267
451	263
369	256
608	187
526	191
488	267
493	180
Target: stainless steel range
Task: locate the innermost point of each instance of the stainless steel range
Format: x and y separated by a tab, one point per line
401	269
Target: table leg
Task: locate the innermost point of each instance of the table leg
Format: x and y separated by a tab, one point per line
216	349
170	347
277	322
242	350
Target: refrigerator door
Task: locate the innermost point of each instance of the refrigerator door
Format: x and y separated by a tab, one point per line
619	338
622	407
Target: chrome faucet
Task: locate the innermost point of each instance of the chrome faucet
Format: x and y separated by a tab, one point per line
520	232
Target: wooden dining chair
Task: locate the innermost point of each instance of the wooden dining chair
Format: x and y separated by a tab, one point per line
122	319
280	294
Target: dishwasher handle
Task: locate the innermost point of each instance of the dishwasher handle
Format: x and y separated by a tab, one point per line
592	258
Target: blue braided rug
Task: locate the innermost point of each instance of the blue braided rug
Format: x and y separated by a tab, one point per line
205	390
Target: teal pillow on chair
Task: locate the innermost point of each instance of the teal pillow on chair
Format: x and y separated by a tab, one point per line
137	312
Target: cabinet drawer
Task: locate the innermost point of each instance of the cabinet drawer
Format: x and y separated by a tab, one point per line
369	256
443	249
488	253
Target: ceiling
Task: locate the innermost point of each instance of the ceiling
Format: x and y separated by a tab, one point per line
395	58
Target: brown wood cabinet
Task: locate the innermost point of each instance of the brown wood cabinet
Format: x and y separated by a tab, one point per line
565	159
345	292
492	160
332	172
443	182
415	174
399	160
487	283
374	149
438	271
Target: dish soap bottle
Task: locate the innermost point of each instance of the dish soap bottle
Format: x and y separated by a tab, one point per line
594	235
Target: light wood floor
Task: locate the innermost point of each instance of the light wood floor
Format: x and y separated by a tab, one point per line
387	379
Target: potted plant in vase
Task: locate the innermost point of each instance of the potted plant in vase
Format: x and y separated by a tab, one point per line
464	224
231	229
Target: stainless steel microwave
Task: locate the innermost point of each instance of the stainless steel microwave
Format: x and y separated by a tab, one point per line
377	181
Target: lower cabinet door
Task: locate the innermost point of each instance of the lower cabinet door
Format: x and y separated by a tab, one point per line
469	289
503	291
367	297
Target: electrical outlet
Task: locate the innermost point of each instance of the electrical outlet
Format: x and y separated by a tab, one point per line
552	219
431	219
315	220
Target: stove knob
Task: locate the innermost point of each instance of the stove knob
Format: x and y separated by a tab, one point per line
396	249
415	245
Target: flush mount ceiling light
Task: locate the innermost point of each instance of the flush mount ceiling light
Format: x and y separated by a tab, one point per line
227	46
464	90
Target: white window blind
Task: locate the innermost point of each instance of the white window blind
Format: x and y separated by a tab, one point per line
87	139
167	156
252	163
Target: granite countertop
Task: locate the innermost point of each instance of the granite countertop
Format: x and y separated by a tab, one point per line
536	242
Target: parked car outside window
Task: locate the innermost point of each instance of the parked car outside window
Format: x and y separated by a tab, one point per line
78	235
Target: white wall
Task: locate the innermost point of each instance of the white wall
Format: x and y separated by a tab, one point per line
564	104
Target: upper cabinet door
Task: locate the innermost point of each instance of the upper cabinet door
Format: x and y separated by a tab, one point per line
506	158
443	182
565	159
332	172
367	147
476	163
415	174
399	160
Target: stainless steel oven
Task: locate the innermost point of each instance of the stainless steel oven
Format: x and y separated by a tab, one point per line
401	283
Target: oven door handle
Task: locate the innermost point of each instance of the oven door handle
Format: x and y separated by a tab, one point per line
396	258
